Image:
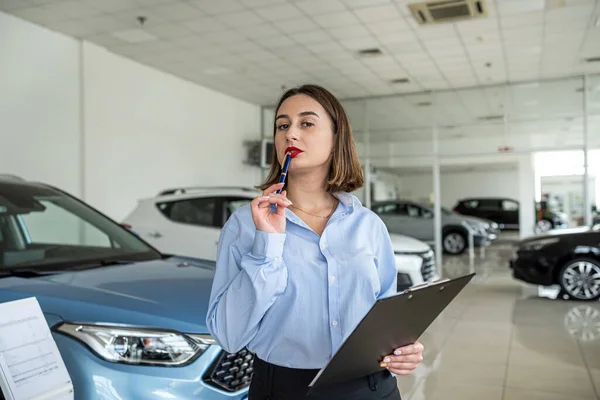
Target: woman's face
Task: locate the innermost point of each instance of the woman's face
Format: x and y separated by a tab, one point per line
303	124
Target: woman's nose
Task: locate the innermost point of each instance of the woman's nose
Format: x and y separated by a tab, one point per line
292	133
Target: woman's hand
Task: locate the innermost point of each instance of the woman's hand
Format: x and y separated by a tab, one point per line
405	359
263	218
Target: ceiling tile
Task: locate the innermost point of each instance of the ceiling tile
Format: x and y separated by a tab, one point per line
9	5
169	30
337	19
279	12
512	7
152	3
37	15
132	15
111	6
378	14
227	36
315	7
326	47
177	11
71	9
204	24
258	31
240	18
365	42
364	3
349	32
525	19
314	36
212	7
581	13
294	26
275	41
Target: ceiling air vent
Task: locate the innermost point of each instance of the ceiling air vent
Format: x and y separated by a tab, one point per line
492	118
440	11
592	59
374	52
399	81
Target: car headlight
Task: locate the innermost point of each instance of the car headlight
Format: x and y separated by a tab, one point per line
539	244
475	227
139	346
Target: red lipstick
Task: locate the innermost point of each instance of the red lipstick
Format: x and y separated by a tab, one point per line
294	151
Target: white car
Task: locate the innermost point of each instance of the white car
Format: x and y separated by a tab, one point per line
188	222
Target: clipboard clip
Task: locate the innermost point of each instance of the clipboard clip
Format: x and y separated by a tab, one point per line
426	284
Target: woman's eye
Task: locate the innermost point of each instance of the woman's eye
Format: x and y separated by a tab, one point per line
308	124
282	127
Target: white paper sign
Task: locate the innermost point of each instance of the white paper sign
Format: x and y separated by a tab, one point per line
31	367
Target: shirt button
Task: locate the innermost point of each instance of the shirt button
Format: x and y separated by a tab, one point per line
331	279
334	323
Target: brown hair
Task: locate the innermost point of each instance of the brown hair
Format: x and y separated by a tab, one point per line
345	172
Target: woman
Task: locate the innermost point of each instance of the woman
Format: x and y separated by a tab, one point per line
297	271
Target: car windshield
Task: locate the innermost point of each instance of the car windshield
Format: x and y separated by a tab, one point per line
43	228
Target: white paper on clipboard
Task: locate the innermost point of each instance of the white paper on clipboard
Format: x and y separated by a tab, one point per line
31	367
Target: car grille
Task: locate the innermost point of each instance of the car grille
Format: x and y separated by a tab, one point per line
428	266
231	371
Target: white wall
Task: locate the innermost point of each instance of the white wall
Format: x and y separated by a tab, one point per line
39	104
146	131
456	185
142	130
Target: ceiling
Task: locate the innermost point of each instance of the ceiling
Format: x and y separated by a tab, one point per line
250	49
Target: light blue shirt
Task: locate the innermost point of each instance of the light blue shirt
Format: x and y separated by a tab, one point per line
293	298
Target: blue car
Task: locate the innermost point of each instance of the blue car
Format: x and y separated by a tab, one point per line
128	320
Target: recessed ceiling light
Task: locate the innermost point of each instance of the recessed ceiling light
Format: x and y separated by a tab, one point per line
424	104
134	36
371	52
399	81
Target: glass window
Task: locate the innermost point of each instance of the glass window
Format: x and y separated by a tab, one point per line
44	228
386	208
58	226
199	211
414	211
234	205
509	205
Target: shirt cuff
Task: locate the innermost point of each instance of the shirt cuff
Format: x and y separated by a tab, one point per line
268	245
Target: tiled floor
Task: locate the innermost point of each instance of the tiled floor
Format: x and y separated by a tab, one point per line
502	339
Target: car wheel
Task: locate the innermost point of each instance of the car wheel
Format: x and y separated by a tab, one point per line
454	242
544	225
580	279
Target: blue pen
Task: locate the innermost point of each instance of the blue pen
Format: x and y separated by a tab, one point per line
284	170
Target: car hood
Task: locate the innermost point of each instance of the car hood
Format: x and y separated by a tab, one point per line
170	294
407	244
558	233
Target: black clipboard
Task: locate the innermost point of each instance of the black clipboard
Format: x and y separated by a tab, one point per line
392	322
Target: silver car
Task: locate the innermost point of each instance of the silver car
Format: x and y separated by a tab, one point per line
416	220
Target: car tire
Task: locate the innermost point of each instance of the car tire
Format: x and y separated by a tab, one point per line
580	279
454	242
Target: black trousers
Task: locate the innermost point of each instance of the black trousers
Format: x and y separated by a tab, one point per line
272	382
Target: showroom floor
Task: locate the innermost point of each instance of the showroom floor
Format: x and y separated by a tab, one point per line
501	339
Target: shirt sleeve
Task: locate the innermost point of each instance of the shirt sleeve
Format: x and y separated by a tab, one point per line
245	286
386	264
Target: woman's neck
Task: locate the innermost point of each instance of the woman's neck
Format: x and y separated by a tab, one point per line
309	192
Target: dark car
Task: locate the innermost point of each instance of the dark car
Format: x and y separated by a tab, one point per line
569	258
505	212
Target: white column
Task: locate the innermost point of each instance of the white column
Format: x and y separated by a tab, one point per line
437	202
527	212
587	203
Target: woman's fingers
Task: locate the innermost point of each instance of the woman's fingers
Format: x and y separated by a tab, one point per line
272	189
